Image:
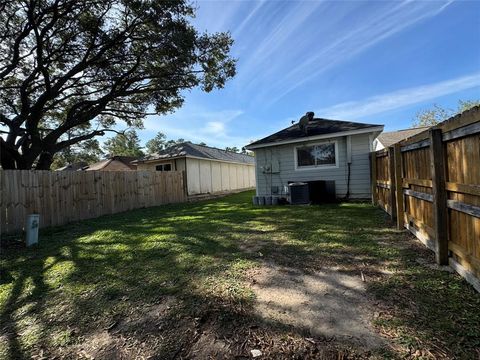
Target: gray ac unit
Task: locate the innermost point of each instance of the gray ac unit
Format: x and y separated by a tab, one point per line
299	193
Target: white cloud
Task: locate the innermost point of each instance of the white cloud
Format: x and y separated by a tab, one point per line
285	28
215	128
198	125
312	37
400	98
249	17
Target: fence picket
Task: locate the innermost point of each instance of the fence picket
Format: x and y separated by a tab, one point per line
62	197
434	168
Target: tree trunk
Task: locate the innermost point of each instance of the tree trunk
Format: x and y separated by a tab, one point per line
12	159
45	161
7	159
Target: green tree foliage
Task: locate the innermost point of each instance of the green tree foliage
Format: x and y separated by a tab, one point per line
124	144
88	151
232	149
156	144
174	142
464	105
437	114
160	142
71	69
237	150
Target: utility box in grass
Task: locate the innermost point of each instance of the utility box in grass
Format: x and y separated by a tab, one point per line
31	229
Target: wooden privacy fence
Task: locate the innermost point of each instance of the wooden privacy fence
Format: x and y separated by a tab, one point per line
61	197
430	184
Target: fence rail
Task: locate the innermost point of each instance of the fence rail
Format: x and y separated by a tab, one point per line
430	184
61	197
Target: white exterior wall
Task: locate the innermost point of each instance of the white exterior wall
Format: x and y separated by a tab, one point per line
193	177
209	177
205	176
225	176
216	176
285	155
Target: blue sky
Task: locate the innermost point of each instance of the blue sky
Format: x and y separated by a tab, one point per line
376	62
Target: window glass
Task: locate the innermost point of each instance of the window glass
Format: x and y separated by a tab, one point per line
325	154
305	156
164	167
316	155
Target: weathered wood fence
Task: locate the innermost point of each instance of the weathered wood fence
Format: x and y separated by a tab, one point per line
430	184
61	197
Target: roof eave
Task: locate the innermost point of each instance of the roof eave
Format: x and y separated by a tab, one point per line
135	162
378	128
223	161
190	157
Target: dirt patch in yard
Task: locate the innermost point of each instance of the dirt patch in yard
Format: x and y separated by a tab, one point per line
137	334
325	303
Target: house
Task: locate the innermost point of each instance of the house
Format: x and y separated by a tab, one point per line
328	155
386	139
208	170
114	163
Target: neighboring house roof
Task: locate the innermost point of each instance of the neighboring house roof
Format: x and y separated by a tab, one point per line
315	129
126	160
392	137
188	149
74	166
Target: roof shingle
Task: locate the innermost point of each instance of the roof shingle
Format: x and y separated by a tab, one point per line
200	151
315	127
127	160
392	137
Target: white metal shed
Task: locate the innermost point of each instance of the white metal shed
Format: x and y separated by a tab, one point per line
208	170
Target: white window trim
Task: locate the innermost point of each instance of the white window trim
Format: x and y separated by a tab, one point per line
316	167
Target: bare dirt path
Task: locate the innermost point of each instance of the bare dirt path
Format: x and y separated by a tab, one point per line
325	303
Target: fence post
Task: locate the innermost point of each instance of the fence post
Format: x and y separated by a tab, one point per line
391	170
437	157
185	187
373	165
397	155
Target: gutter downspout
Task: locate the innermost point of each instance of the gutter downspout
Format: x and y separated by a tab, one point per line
349	163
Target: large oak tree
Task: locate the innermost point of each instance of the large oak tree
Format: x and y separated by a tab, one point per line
71	69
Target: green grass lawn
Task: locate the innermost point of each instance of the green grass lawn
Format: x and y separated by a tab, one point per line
189	262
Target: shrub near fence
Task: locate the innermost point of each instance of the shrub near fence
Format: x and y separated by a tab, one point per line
430	184
61	197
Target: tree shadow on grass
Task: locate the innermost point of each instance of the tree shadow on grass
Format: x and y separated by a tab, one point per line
430	312
92	278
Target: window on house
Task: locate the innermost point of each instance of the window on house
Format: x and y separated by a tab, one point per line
316	155
164	167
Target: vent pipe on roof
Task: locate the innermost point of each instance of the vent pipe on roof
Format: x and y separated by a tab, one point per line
304	120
